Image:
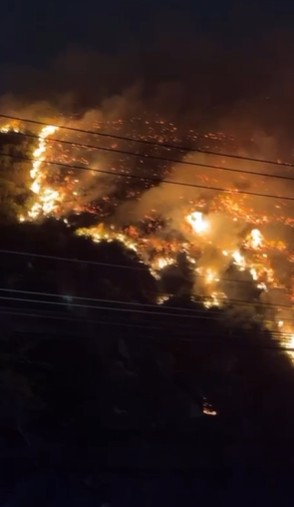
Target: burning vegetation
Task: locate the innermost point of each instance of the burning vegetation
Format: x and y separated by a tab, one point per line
234	236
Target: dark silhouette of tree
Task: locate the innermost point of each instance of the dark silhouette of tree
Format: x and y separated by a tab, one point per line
15	194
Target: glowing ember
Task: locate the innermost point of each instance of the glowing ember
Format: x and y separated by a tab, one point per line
208	409
162	299
216	300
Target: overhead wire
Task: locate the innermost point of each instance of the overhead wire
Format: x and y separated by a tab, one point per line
161	310
154	157
69	298
71	318
102	264
148	178
146	327
148	142
114	265
143	305
100	307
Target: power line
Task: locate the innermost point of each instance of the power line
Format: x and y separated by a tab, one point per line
127	303
100	264
77	261
103	300
105	264
114	309
155	157
151	143
91	321
194	339
151	180
105	308
161	308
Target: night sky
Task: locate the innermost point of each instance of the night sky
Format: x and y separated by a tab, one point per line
33	31
222	59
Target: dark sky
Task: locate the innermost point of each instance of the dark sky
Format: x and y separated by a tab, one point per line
225	61
34	31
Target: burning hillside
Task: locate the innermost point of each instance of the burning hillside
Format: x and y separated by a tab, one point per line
233	229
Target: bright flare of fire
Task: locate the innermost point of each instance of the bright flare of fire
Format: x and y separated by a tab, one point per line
46	198
101	233
199	224
10	128
255	239
239	260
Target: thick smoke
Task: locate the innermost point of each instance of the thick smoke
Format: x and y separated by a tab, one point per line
194	80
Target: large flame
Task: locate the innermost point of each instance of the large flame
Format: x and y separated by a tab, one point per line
46	198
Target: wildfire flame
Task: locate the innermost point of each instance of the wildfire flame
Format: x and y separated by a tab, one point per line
46	198
200	237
